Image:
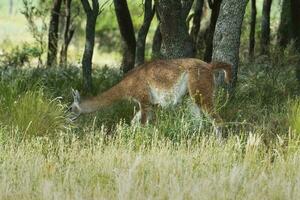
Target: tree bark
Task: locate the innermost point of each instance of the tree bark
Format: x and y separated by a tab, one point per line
127	33
156	43
142	35
265	27
176	41
252	29
197	20
91	14
227	35
53	34
215	7
68	34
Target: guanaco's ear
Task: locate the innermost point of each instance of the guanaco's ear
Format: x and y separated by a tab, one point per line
76	95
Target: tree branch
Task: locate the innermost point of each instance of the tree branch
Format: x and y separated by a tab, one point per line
86	6
95	4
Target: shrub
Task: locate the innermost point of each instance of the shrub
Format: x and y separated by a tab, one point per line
19	55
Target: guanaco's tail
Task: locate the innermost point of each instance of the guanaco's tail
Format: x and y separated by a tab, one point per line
223	66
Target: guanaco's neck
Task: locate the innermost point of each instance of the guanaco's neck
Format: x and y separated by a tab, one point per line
105	99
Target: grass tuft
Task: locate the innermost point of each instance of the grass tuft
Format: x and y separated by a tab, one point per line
35	115
294	115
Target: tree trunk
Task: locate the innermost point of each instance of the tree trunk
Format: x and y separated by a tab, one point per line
11	6
156	43
127	33
91	14
215	6
289	24
176	41
142	35
289	27
53	34
197	20
227	35
265	27
68	34
295	6
252	29
284	33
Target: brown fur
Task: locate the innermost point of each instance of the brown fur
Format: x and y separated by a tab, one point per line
162	75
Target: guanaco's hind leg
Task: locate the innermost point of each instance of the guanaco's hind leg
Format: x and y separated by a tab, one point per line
201	91
144	115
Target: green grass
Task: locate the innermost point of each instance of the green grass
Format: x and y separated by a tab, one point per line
294	115
101	156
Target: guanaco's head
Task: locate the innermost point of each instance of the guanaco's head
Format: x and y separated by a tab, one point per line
75	106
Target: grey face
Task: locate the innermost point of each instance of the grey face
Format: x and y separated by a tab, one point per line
75	108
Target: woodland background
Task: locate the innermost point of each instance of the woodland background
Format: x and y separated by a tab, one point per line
48	47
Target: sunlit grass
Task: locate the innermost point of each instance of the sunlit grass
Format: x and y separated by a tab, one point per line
240	167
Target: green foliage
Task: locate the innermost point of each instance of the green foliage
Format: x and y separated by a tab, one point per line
261	97
33	15
19	55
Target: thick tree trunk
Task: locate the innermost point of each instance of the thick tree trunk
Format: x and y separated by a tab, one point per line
53	34
196	20
252	29
92	14
176	41
289	27
142	35
265	27
284	33
215	6
295	8
156	44
127	33
227	34
68	34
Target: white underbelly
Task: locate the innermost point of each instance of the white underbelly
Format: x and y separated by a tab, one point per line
171	96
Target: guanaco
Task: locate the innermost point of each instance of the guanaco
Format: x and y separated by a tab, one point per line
163	83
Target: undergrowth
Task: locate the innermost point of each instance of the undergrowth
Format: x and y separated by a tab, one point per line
102	156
